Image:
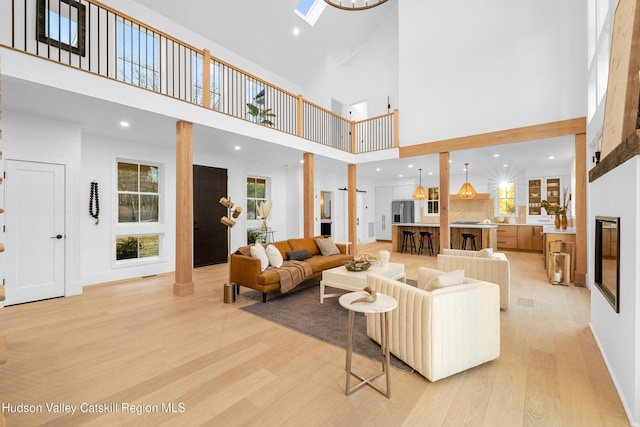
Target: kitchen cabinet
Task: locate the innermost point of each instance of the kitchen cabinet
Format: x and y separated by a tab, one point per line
529	237
520	237
507	237
544	188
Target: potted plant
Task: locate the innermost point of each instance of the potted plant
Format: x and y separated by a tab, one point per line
258	112
554	210
511	210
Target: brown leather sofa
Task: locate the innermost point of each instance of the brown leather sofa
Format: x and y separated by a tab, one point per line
244	270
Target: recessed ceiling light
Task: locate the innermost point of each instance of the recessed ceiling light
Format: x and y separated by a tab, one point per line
505	166
496	155
377	169
296	31
430	173
301	161
552	157
237	148
124	124
400	176
410	166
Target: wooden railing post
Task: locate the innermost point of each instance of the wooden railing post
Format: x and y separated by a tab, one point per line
352	132
300	116
396	128
206	79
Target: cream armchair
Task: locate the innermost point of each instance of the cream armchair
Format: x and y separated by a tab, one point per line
441	332
480	265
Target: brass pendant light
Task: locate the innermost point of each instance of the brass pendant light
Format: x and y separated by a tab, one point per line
467	191
355	4
420	193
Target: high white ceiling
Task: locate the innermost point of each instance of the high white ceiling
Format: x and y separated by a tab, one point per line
262	31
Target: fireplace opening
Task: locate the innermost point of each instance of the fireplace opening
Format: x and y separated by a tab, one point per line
607	259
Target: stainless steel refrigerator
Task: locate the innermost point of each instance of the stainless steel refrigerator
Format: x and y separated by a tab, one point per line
402	211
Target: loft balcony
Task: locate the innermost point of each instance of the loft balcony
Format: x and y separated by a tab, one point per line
97	39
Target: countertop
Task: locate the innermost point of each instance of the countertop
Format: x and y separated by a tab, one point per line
552	229
437	225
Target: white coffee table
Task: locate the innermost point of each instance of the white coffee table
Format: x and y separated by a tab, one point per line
341	278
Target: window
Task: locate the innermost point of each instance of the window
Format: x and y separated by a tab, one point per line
61	23
142	246
433	200
310	10
138	55
138	231
506	198
256	193
137	192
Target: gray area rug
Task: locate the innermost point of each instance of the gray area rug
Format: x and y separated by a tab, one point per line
301	311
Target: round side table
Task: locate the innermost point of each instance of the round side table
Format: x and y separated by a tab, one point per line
383	305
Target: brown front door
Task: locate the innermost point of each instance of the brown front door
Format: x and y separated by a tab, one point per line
209	235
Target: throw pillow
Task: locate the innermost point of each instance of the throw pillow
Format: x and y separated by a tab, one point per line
327	247
258	251
275	257
425	274
485	253
451	278
300	255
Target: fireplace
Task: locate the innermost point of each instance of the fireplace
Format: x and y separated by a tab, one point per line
607	259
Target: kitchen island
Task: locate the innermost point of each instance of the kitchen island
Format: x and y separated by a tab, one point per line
486	234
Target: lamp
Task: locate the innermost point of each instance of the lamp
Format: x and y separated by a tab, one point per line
355	4
467	191
420	193
230	289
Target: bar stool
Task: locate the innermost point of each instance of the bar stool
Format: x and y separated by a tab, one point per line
408	241
426	234
471	237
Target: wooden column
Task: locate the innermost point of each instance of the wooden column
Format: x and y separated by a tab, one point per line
309	199
206	79
352	198
581	209
445	232
183	284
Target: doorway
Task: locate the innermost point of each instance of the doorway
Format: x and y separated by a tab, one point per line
210	244
35	231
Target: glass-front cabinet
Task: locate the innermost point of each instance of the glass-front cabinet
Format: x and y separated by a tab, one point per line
539	189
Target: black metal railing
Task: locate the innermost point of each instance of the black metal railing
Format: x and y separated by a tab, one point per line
90	36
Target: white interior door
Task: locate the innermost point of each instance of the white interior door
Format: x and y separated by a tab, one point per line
34	234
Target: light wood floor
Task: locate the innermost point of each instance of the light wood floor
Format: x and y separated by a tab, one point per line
133	342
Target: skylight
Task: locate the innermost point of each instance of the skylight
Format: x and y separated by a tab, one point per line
310	10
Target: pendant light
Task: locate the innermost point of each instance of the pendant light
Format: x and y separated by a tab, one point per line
467	191
420	193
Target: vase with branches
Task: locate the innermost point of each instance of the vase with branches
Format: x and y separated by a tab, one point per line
264	210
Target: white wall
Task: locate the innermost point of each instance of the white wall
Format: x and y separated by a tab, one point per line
473	67
618	334
371	74
40	139
99	157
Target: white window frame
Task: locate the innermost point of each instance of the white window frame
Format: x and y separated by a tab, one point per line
122	229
